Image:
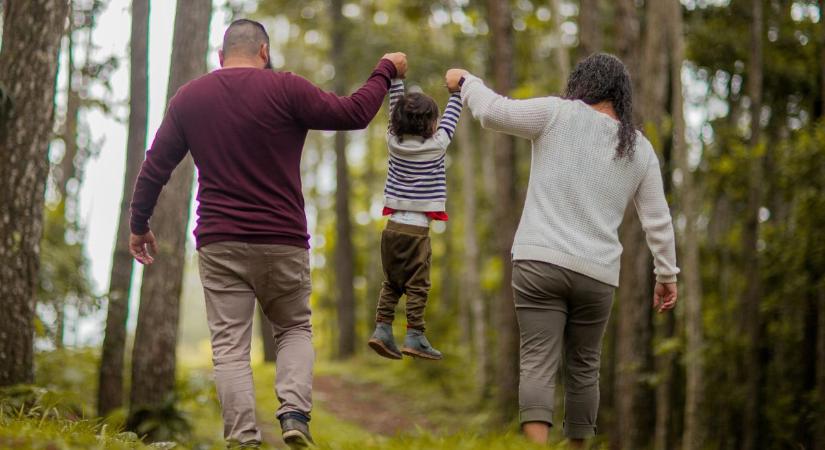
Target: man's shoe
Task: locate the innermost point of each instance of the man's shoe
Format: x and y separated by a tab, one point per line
295	433
383	342
417	345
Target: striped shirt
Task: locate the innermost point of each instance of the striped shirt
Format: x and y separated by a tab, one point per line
417	173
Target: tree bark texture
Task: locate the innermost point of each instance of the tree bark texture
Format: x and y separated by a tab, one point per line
752	295
590	28
344	259
110	386
32	30
692	435
632	309
153	356
506	373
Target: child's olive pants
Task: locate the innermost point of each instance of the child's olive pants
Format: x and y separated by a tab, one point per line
560	312
405	257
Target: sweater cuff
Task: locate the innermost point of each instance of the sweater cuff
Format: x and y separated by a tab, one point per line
138	227
387	69
666	279
466	86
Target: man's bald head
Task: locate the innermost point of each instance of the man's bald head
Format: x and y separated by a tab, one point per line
244	39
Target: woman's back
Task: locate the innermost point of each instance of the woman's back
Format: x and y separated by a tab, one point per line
579	188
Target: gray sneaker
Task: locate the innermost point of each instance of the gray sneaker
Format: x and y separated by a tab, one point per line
383	342
296	434
417	346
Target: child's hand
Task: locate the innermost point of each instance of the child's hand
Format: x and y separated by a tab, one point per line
400	61
453	77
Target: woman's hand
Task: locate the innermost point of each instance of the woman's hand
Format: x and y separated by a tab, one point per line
664	296
452	78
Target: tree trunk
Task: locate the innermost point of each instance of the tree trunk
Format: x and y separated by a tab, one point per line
506	373
470	292
819	432
752	369
632	296
344	259
32	30
562	56
822	57
590	28
110	387
153	357
692	436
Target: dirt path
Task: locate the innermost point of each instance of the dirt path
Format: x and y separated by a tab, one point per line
367	405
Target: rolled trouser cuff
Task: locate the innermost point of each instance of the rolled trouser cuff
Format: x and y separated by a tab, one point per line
536	414
579	431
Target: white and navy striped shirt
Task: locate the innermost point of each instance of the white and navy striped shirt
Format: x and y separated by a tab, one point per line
417	172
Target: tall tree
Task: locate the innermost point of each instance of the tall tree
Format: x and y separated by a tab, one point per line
470	291
590	29
506	372
32	30
344	259
692	436
752	293
110	386
153	356
633	293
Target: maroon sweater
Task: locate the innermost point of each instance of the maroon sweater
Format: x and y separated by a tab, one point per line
246	129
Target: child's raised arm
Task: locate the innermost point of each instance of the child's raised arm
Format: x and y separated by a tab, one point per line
396	92
451	113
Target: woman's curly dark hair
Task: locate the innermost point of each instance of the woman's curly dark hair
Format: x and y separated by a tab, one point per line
414	114
602	77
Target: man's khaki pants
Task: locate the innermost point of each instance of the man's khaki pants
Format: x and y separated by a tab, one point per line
234	274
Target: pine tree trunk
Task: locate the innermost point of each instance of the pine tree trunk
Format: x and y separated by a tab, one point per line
507	344
110	386
752	294
822	56
561	54
32	30
590	31
344	254
153	356
692	436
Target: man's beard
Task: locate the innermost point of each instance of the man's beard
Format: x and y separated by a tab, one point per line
268	63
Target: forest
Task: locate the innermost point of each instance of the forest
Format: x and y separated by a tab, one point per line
97	351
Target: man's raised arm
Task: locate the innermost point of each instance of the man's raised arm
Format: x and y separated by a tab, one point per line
319	110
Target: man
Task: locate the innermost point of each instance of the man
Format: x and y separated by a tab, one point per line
245	128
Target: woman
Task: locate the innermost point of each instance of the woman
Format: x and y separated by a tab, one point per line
588	163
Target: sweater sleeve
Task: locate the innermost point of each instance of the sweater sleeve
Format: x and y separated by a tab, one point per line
451	114
319	110
523	118
166	152
396	92
654	215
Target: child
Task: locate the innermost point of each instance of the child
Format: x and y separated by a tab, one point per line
415	193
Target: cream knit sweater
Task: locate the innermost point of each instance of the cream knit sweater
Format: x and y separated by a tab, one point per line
578	191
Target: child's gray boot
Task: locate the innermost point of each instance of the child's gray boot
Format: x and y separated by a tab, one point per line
417	345
383	342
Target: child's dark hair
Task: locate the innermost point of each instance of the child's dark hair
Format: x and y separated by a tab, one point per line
414	114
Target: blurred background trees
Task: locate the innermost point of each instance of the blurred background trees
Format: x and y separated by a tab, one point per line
730	93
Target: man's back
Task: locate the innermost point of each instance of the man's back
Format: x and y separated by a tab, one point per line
246	128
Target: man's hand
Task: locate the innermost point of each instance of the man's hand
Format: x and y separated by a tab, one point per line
452	77
400	61
664	296
139	247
